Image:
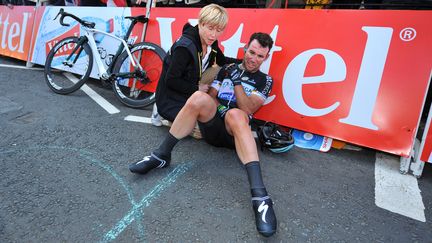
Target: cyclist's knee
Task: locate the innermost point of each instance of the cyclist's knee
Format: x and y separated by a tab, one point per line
236	118
198	100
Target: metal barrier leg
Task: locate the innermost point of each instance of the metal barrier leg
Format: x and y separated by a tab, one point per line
417	168
29	64
412	163
404	165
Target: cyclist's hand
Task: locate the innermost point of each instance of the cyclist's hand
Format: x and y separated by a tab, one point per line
138	2
203	87
235	74
237	81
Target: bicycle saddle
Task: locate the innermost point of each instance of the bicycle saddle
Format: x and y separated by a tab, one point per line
139	18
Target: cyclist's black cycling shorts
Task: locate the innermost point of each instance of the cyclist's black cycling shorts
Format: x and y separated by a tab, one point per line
214	132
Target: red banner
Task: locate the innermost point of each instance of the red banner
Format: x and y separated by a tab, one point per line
15	31
358	76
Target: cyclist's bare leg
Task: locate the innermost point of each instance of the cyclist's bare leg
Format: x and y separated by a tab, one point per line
199	107
237	124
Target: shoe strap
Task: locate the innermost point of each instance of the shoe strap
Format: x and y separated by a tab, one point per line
260	198
162	162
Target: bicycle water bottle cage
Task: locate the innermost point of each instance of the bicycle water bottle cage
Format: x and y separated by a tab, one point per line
139	18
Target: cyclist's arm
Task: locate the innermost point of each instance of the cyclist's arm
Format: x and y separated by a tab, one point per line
213	92
250	104
214	87
175	79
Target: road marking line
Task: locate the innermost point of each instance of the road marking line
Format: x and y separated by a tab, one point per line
396	192
138	119
21	67
95	96
146	120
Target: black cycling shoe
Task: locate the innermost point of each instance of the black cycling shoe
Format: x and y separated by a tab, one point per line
265	217
148	163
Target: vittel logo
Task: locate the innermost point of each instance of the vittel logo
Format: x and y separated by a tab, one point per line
13	32
74	31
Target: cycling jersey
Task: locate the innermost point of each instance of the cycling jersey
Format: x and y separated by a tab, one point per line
257	83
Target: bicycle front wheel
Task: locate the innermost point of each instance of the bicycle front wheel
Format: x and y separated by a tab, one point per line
68	65
136	88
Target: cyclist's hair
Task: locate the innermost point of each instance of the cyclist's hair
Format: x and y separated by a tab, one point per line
264	39
213	14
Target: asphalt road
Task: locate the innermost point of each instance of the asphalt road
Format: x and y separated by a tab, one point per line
64	178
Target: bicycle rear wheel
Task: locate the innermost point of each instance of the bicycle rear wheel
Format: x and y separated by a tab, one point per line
136	88
68	65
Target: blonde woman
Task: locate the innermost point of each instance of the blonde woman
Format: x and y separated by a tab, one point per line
195	51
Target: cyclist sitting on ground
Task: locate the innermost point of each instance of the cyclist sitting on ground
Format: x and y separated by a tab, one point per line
195	51
223	116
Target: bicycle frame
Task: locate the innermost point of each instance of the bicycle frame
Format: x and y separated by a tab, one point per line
103	72
133	71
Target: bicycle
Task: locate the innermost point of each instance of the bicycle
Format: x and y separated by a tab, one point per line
133	71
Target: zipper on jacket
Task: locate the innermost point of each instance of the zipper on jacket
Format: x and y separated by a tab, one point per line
200	64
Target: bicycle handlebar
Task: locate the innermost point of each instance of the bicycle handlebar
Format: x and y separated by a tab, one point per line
66	14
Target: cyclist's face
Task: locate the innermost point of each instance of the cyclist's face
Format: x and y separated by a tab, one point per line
254	56
209	33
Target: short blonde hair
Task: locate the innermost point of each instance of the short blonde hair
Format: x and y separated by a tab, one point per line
213	14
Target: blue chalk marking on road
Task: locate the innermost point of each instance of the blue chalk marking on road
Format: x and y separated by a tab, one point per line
7	151
136	210
88	155
120	180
